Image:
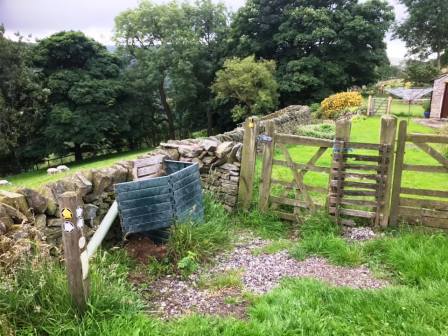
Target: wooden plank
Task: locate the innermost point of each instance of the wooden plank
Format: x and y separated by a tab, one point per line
361	145
349	201
303	167
291	201
368	158
266	172
361	176
431	138
359	192
248	159
423	203
424	192
417	212
354	213
355	166
289	139
298	178
425	168
398	172
148	170
433	153
362	185
292	185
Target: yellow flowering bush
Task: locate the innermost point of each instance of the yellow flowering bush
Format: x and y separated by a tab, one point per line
333	105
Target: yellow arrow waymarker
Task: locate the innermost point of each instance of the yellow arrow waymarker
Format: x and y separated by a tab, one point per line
66	213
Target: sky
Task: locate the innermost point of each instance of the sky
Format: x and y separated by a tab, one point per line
95	18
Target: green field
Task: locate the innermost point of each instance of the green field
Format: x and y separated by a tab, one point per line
37	178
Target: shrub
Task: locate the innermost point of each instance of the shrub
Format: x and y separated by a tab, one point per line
426	105
321	131
337	104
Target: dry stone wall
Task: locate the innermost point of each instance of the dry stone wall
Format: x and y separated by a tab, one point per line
27	214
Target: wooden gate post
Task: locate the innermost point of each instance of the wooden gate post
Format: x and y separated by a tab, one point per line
389	105
343	130
398	171
387	137
74	243
268	156
248	159
369	106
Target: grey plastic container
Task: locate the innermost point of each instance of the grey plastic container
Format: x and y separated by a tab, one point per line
159	202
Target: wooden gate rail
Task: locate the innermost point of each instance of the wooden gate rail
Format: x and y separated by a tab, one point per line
404	204
298	170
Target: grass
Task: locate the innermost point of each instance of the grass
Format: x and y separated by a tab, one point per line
36	302
227	279
37	178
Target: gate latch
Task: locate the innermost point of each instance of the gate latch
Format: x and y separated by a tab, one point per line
263	138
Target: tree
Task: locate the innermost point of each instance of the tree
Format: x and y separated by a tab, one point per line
420	73
320	46
84	80
250	84
21	107
176	47
425	30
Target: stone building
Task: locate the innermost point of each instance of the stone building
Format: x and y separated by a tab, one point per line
439	101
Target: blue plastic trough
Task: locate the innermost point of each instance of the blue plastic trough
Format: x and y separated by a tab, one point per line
158	202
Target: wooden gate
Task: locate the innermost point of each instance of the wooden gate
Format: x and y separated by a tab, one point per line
356	176
302	192
427	207
358	181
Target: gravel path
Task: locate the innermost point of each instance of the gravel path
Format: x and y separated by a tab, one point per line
172	296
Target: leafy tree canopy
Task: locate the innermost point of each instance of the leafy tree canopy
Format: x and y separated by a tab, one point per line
83	78
425	30
320	46
21	100
176	47
250	84
420	73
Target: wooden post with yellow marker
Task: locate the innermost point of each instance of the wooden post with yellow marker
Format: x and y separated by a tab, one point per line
248	159
74	244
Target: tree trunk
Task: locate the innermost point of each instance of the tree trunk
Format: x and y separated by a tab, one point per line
78	152
439	61
209	122
167	108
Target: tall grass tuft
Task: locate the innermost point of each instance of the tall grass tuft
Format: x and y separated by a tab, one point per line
202	239
266	225
319	235
36	301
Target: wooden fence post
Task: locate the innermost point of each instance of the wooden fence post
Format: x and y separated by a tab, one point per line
248	160
398	170
74	243
389	105
369	106
387	137
343	130
268	156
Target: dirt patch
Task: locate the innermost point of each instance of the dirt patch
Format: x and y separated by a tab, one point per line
142	249
172	296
